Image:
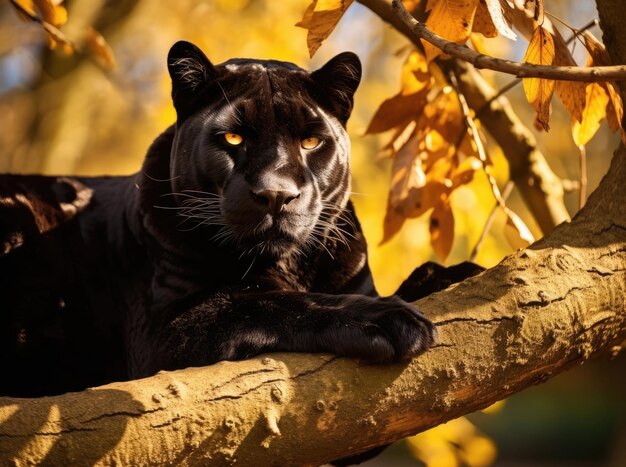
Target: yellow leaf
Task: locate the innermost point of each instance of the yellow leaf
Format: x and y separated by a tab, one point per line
516	232
99	49
442	229
539	91
596	100
615	108
570	93
320	18
450	19
396	111
415	75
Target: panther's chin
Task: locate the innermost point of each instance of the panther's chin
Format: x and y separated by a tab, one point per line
273	242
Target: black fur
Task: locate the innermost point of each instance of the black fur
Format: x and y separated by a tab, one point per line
211	251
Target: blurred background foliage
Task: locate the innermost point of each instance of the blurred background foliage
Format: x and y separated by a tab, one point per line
64	114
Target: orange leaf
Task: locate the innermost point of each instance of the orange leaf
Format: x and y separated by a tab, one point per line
442	229
539	91
395	111
320	18
483	23
615	110
450	19
570	93
596	100
415	75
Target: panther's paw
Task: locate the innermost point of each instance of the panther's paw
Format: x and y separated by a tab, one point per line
388	330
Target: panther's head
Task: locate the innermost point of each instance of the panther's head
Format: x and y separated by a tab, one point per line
260	155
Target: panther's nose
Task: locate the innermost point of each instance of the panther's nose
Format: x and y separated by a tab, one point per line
275	200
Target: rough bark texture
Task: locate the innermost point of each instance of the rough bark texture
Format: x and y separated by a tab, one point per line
537	313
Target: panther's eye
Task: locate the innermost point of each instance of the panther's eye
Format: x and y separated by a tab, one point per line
310	143
233	139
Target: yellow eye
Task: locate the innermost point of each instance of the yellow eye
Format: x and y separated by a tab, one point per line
310	143
233	139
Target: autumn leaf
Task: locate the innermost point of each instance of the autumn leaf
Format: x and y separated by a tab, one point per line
450	19
539	91
570	93
498	10
415	75
615	108
395	111
483	23
320	19
596	101
442	228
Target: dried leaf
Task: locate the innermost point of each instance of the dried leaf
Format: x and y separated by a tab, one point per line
483	23
539	91
596	49
320	18
615	109
570	93
396	111
99	49
412	192
596	101
500	19
442	228
450	19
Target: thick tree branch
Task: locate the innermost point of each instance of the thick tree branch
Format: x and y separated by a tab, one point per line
521	70
537	313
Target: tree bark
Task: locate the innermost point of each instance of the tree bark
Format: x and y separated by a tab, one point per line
537	313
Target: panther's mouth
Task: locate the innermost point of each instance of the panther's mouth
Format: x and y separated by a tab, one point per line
275	235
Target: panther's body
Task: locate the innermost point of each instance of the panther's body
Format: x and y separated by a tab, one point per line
237	237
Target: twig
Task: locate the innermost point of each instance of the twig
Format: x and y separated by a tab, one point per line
482	155
521	70
506	191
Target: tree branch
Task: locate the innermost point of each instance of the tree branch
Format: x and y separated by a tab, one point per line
537	313
521	70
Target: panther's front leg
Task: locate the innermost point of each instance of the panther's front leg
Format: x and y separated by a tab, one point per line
240	325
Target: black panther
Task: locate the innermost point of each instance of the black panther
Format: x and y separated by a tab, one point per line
236	237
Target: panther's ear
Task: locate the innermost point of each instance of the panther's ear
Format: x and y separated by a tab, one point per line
338	80
189	69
